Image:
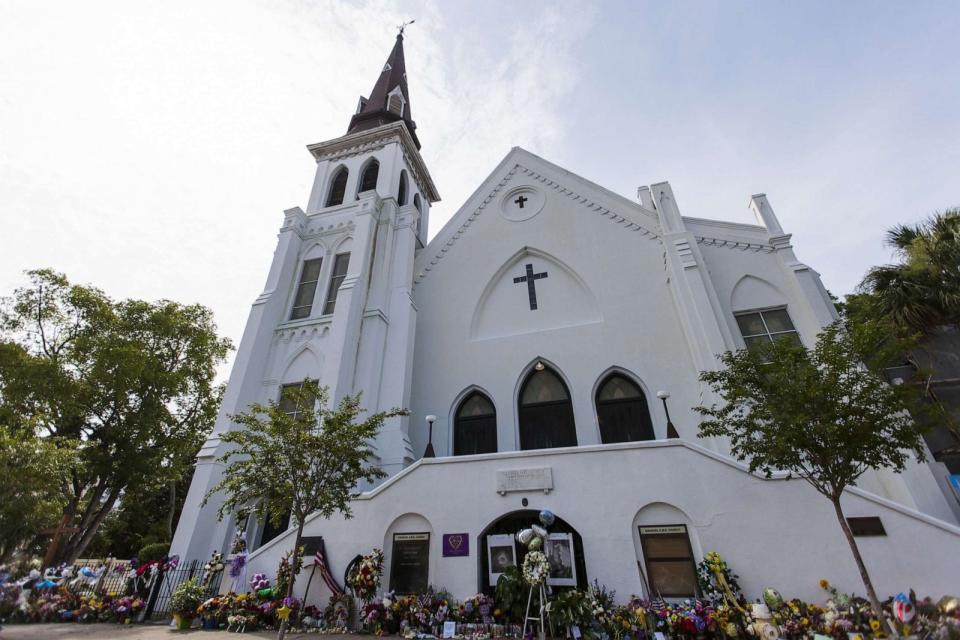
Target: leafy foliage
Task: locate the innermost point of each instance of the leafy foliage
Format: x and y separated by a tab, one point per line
129	383
30	497
307	462
155	551
187	597
922	292
820	415
511	593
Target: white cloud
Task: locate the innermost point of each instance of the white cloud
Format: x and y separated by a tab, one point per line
150	149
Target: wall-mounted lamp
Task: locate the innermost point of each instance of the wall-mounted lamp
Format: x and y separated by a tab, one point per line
538	366
671	430
429	451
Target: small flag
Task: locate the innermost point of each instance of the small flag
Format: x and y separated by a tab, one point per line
320	561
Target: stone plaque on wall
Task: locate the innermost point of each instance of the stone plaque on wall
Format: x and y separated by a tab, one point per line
410	563
539	479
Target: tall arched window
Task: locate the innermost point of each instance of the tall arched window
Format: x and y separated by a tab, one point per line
402	189
416	202
475	426
338	187
622	411
546	414
368	179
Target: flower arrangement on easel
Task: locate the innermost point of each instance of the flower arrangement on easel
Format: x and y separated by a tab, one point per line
364	578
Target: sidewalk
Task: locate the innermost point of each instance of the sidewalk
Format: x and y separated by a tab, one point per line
136	632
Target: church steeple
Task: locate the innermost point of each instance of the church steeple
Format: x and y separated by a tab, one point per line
389	100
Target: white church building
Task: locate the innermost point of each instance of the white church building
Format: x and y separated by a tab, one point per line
546	330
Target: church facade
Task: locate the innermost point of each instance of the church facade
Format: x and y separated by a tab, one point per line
548	342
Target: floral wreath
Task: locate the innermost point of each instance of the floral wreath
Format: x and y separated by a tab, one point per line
364	578
535	568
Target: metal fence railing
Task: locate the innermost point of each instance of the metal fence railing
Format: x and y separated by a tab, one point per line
158	598
154	586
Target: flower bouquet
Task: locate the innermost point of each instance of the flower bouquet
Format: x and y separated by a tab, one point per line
185	601
364	578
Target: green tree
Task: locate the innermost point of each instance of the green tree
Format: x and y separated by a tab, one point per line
922	291
302	462
129	383
30	496
820	415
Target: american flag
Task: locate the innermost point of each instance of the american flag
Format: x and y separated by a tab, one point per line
320	562
658	604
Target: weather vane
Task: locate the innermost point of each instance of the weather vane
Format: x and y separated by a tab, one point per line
404	26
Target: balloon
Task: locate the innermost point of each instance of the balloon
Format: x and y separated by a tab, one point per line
903	608
772	598
949	604
535	544
540	531
547	518
525	536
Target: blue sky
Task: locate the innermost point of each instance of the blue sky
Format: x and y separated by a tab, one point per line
151	148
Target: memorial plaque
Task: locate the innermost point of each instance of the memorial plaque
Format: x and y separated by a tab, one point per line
456	544
410	563
539	479
310	545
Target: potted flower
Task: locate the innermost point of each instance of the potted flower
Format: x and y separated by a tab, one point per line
186	599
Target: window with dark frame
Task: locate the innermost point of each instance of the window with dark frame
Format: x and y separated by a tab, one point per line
340	264
338	187
475	426
763	327
546	413
622	411
402	189
368	179
271	531
668	557
306	288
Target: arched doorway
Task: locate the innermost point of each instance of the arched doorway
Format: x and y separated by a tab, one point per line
508	525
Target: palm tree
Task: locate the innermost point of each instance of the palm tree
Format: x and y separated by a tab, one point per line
922	291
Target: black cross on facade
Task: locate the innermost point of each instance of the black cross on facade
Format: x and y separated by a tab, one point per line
530	278
520	202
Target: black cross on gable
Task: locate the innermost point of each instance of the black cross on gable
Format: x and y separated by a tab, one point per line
521	200
530	278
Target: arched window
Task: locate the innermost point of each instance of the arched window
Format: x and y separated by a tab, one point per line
416	202
622	411
368	179
546	414
475	426
402	189
338	187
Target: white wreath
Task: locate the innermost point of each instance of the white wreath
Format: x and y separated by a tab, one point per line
535	568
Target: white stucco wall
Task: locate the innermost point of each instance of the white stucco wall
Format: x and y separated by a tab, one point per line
772	532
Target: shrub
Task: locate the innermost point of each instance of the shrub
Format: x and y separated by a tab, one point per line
155	551
187	597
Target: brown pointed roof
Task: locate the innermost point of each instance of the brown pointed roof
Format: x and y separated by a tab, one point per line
373	111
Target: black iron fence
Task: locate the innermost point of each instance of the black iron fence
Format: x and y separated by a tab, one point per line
163	586
155	586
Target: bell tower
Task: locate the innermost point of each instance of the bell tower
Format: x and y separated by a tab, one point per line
337	306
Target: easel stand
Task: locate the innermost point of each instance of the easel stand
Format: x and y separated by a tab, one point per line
542	611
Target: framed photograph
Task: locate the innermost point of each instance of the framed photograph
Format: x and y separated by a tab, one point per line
500	554
559	552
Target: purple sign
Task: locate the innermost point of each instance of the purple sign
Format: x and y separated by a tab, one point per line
456	544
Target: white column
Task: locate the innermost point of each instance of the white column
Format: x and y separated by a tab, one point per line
397	371
351	299
807	281
199	532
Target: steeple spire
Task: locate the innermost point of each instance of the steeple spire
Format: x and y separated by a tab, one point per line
389	100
